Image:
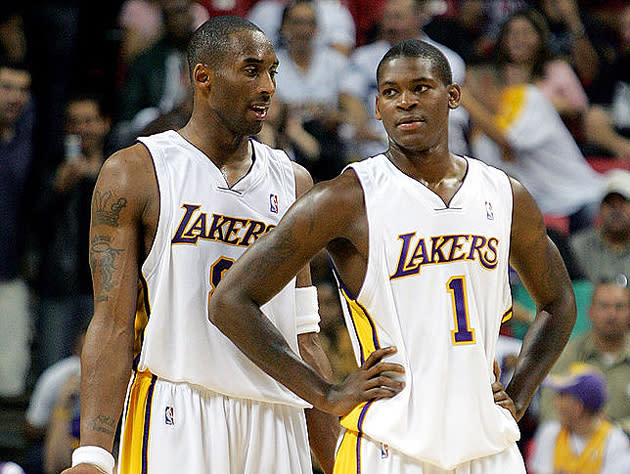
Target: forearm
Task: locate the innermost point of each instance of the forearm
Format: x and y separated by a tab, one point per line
484	119
252	332
105	371
541	347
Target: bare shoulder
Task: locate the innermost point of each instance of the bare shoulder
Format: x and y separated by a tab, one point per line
344	190
128	173
527	220
303	179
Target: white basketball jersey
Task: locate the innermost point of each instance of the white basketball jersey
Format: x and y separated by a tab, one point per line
437	288
204	226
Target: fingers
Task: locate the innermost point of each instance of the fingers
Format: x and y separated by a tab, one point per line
377	355
380	393
497	370
382	367
385	381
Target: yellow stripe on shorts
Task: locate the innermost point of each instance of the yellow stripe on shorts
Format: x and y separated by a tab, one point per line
348	458
134	449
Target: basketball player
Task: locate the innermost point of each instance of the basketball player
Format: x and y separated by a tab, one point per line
170	215
420	240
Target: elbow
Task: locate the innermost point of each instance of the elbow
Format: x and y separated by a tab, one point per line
221	307
215	302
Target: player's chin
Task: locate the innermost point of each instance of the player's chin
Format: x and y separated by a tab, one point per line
254	128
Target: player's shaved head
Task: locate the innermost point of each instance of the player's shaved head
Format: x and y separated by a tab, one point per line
212	42
415	48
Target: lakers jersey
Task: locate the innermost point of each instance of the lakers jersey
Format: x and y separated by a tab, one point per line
204	226
437	288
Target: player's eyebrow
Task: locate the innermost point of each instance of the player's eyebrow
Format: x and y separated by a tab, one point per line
252	60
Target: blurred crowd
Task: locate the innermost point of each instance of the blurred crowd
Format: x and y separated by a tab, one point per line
546	98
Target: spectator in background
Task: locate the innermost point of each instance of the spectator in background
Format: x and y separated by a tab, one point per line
523	54
141	25
607	347
16	146
12	36
581	440
157	80
464	32
604	252
48	390
335	26
575	35
62	435
401	19
64	284
286	131
519	131
308	83
608	121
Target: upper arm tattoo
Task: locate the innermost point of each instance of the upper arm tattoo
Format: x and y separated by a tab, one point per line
103	260
107	209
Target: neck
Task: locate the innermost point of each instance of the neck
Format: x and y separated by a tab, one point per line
230	152
587	425
514	74
428	166
301	54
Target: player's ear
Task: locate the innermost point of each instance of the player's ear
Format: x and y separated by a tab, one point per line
377	112
454	96
202	76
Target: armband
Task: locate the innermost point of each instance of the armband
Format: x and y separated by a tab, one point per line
306	310
95	455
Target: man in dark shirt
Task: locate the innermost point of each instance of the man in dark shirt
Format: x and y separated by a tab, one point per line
16	128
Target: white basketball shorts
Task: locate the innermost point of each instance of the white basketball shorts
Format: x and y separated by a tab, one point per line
358	454
175	427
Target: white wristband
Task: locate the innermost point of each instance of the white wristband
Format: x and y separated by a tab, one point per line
95	455
306	310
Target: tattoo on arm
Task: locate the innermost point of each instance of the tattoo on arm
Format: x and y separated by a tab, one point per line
103	259
107	209
104	424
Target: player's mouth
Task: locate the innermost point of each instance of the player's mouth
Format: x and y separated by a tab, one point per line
409	123
260	111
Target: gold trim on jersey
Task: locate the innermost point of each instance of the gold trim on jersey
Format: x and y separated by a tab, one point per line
364	326
507	315
143	313
368	340
134	449
348	457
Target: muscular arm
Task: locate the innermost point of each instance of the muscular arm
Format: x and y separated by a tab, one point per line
540	267
118	204
323	214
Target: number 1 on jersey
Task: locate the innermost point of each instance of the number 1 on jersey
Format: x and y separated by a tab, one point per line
463	333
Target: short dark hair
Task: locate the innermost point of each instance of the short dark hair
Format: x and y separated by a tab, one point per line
211	43
415	48
86	96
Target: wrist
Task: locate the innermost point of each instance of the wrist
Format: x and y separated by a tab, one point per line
96	456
